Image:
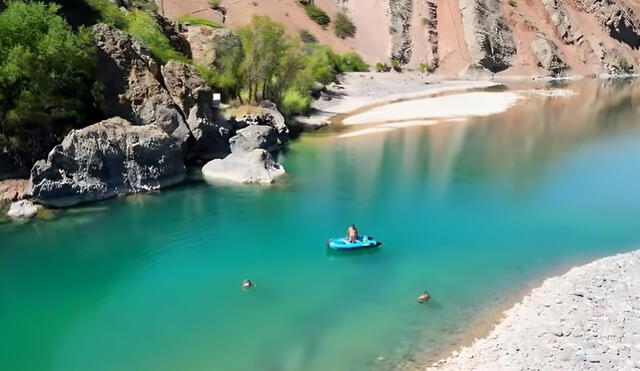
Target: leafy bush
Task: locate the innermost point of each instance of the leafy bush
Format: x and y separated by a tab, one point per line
343	26
623	66
295	103
425	67
512	3
317	15
396	66
307	37
214	4
141	26
382	67
352	62
189	19
46	72
109	13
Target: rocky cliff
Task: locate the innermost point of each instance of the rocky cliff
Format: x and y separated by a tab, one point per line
467	37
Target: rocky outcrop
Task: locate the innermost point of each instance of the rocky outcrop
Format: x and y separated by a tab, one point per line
254	167
13	190
175	32
563	24
132	89
401	12
614	17
255	137
489	39
207	42
266	114
432	32
23	209
107	159
546	52
194	98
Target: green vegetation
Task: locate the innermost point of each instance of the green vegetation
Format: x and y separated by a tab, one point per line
214	4
396	66
144	28
189	19
512	3
307	37
623	66
343	26
351	61
46	74
380	67
317	15
425	67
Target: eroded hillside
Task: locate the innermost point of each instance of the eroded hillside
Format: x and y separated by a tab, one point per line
473	37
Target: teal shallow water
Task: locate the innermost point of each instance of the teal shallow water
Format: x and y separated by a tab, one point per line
471	211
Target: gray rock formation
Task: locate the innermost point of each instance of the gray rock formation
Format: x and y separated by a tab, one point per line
132	89
546	52
614	17
254	137
401	12
255	167
206	43
175	32
104	160
268	115
194	98
563	24
432	32
23	209
487	34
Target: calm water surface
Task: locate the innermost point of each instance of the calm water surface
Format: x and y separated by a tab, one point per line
473	211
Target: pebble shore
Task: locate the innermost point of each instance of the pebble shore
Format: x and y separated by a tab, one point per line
586	319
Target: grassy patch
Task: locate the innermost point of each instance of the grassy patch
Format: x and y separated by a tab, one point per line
343	26
317	15
189	19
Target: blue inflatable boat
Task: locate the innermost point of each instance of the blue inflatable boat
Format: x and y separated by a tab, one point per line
362	242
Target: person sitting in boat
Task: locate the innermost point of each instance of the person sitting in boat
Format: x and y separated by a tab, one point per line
352	233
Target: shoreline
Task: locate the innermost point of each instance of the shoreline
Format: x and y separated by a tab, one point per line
567	321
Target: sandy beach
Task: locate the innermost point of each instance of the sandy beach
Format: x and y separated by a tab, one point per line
588	318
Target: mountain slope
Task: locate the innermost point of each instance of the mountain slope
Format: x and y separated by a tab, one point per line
510	37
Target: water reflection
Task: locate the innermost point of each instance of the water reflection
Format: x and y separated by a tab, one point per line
536	132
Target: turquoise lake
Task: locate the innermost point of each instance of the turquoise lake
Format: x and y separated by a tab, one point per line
476	212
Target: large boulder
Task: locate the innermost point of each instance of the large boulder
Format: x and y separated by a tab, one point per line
565	27
132	89
107	159
195	99
489	39
546	52
254	137
255	167
208	42
266	114
23	209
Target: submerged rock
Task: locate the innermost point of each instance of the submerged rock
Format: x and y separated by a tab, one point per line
23	209
107	159
489	39
254	167
195	99
255	137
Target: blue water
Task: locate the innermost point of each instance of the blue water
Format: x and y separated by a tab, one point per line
473	211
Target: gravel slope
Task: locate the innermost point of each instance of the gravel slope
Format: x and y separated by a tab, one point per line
586	319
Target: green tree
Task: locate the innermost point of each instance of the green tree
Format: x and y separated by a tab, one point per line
46	73
263	44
